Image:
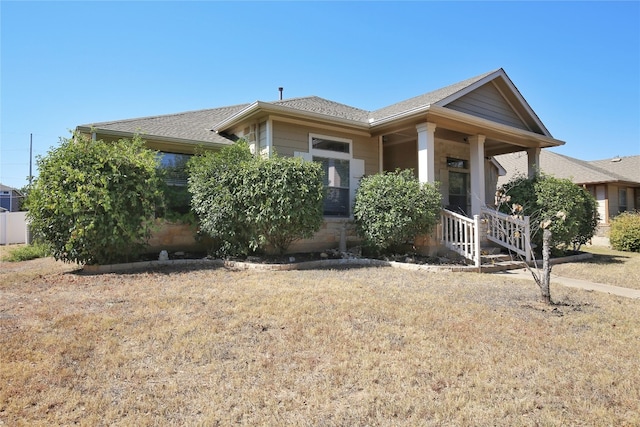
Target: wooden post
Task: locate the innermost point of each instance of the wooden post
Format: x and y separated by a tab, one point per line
476	240
546	267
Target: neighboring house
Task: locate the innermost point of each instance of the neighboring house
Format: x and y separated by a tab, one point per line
10	199
615	183
449	135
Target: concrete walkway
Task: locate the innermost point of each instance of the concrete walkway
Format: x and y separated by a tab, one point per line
523	273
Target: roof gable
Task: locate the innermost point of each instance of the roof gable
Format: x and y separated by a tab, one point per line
488	103
491	96
429	98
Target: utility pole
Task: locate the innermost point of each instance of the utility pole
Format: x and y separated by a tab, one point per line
30	157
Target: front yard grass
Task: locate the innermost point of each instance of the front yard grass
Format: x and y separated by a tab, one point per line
363	346
607	266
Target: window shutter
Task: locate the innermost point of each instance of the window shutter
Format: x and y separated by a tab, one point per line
357	172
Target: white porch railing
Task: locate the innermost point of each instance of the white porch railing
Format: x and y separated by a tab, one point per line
513	233
462	235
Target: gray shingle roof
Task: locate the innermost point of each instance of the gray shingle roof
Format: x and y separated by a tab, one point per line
198	125
190	125
626	167
578	171
315	104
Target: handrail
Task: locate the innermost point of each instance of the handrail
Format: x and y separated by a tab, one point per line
512	232
462	235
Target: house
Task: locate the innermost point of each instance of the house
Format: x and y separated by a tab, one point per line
615	183
449	135
10	199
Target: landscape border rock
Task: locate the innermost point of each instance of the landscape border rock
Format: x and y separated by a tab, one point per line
306	265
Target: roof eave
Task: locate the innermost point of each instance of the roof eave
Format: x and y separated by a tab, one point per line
160	138
544	140
438	111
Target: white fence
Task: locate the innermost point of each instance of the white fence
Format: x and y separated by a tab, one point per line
13	228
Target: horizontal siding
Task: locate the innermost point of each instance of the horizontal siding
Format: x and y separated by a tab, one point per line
289	138
488	103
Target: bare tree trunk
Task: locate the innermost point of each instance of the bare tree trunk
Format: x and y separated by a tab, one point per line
546	267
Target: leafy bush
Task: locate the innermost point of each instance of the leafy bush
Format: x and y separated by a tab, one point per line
94	202
544	198
247	203
283	197
28	252
393	208
625	232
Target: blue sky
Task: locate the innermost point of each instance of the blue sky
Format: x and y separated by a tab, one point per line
70	63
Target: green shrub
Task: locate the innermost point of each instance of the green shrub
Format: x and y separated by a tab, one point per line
624	234
94	202
248	203
283	198
28	252
393	208
571	209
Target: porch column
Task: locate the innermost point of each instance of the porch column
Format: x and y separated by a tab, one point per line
426	152
476	146
533	161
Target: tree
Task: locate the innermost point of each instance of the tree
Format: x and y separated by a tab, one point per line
94	202
543	197
249	203
393	208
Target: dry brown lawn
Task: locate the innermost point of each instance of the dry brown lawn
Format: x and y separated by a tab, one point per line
607	266
352	347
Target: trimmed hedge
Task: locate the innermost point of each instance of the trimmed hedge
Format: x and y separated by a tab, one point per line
248	203
624	234
393	208
94	202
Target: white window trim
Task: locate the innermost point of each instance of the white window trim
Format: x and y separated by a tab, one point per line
329	153
315	152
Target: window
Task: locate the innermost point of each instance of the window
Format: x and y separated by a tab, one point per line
622	199
318	143
336	184
457	163
173	168
334	154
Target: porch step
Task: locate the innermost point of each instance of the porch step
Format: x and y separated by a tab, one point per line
490	250
494	258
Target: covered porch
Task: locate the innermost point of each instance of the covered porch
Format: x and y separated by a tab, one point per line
457	149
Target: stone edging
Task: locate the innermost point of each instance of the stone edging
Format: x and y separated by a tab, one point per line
307	265
239	265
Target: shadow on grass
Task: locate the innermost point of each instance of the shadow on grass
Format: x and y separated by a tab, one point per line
601	259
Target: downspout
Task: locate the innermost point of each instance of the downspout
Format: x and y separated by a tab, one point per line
380	154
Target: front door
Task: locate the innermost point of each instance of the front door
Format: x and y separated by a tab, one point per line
459	192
